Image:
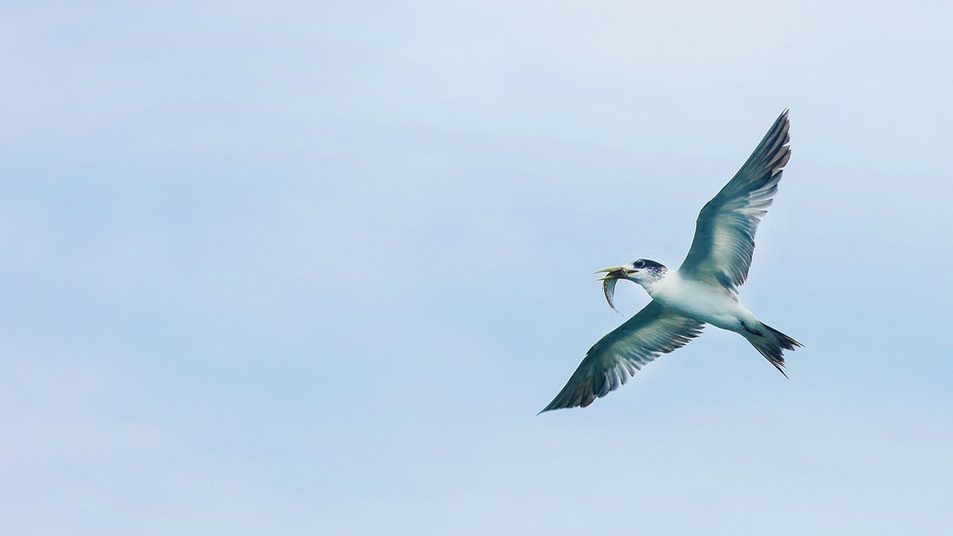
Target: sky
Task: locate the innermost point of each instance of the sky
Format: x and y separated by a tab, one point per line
314	267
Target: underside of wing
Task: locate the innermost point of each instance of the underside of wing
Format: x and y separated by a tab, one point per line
724	232
653	331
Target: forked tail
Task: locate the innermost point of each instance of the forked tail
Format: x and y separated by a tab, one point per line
771	343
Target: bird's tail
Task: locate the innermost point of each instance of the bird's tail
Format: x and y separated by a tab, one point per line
771	343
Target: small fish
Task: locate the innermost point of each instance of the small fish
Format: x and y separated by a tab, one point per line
608	284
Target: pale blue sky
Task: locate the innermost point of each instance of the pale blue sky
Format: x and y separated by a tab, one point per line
313	268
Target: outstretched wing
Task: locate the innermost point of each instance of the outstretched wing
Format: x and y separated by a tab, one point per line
724	233
653	331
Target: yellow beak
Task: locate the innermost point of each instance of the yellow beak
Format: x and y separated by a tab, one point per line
615	272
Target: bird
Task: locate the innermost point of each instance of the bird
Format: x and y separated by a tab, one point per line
703	290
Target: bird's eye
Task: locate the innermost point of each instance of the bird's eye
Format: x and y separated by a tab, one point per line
638	264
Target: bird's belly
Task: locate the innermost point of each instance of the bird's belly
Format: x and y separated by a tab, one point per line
702	302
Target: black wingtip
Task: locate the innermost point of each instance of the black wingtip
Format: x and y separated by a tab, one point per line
781	370
551	406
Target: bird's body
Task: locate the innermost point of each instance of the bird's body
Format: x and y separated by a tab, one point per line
699	300
703	290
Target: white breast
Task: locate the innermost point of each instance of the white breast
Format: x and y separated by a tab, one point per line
713	305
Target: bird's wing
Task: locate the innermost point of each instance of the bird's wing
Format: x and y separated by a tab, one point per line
653	331
724	233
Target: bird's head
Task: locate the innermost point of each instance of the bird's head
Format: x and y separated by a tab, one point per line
641	271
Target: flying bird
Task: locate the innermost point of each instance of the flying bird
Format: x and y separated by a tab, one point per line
703	290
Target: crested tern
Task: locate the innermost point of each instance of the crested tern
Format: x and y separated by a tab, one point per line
703	290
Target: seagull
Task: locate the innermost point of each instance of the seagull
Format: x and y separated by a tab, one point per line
703	290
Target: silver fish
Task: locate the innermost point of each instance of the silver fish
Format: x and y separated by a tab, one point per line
608	284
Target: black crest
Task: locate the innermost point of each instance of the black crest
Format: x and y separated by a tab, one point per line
649	265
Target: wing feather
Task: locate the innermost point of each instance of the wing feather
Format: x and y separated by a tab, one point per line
653	331
724	232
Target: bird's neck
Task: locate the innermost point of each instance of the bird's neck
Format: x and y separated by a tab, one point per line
658	280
